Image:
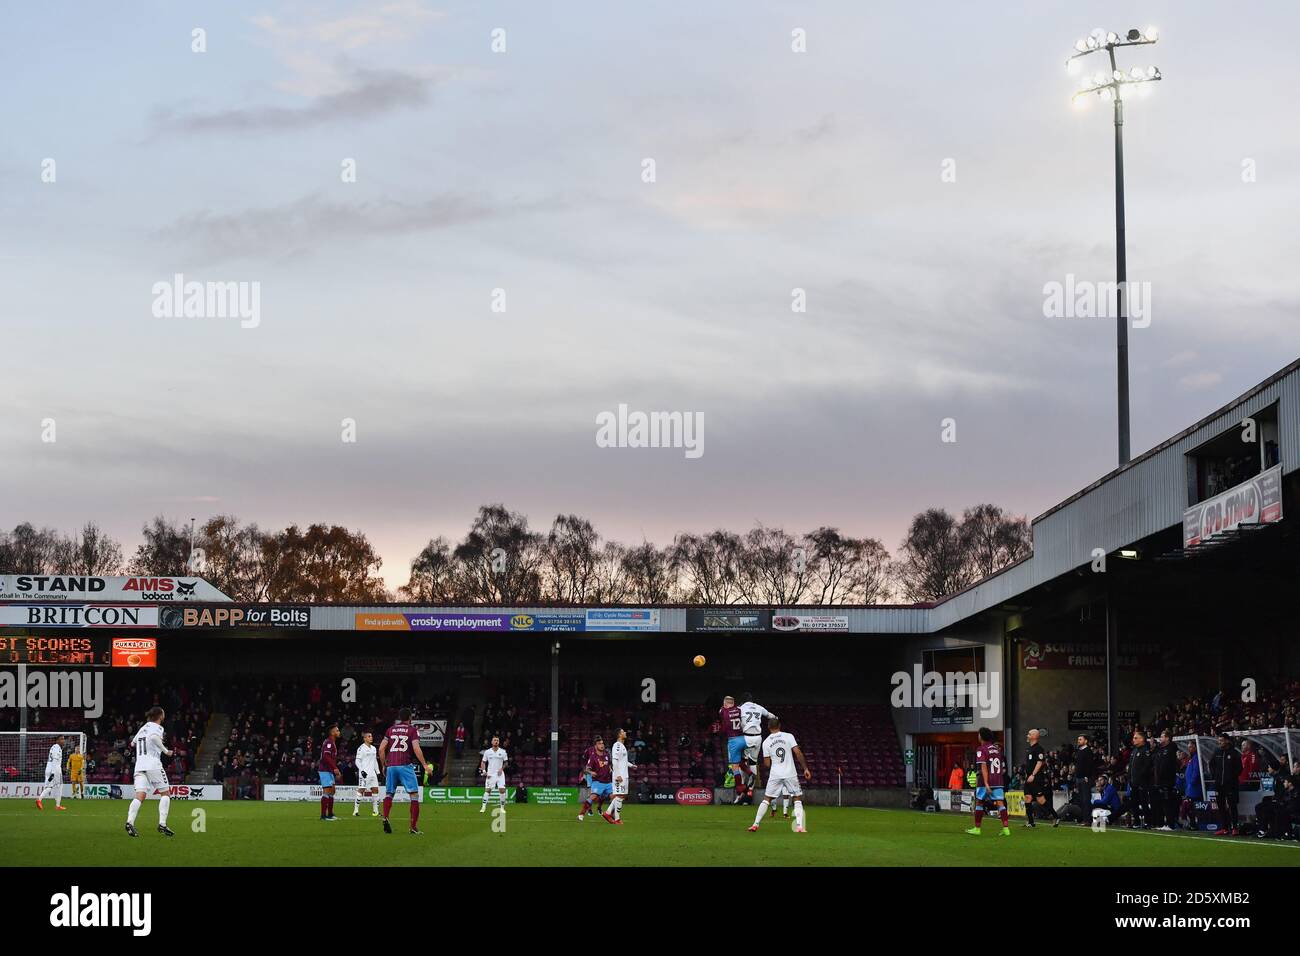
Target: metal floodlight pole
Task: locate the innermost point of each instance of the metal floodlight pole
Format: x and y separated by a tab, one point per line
1112	86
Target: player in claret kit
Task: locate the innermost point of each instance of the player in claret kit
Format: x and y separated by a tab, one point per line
729	724
990	794
601	770
585	777
328	768
395	751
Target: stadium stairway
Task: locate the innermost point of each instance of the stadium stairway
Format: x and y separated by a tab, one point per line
215	736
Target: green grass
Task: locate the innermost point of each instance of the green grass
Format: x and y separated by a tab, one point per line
267	834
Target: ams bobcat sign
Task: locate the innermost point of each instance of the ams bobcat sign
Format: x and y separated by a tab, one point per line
114	590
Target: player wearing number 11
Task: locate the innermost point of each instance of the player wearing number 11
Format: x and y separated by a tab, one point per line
989	794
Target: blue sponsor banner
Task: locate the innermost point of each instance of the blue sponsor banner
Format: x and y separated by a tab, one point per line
622	619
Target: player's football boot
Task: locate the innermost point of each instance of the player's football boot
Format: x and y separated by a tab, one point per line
38	804
606	817
580	817
800	830
356	811
1006	831
414	832
388	827
618	823
60	807
130	830
483	809
974	831
754	828
165	830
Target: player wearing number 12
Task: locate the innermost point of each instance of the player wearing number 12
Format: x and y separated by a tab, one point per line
399	744
990	793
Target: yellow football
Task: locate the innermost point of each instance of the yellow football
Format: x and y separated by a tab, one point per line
699	660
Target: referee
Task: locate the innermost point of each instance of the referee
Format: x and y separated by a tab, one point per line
1038	793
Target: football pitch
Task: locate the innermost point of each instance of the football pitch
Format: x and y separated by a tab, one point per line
279	834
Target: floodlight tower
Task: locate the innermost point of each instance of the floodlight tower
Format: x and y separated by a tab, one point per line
1111	86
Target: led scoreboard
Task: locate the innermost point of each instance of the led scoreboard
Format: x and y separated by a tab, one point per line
93	651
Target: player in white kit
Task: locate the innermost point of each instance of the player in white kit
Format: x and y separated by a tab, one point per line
622	768
149	773
751	725
53	776
367	760
493	768
780	752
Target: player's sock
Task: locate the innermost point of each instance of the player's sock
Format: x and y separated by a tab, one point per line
164	804
503	799
586	807
486	792
798	814
388	805
356	802
133	811
374	801
762	809
324	804
1002	814
415	814
979	817
615	807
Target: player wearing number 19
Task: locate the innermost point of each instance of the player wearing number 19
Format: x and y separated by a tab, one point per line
990	793
399	743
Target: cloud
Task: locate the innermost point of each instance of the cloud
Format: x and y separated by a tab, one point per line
370	93
289	228
1200	380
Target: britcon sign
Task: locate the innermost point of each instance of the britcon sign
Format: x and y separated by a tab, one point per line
110	590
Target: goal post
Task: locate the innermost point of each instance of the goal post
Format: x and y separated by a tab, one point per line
24	753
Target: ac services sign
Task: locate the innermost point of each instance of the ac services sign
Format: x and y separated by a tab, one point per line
114	590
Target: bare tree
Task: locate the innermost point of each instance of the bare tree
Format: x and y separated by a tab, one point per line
993	538
25	550
611	583
233	558
500	559
774	568
846	570
934	561
649	574
91	552
710	566
165	551
435	576
571	558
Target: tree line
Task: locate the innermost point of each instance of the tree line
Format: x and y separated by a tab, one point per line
501	560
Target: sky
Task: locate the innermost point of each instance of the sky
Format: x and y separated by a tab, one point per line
560	208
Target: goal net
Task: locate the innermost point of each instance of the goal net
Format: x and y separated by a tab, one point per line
24	753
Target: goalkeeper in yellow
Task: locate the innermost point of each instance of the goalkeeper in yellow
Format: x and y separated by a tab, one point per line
77	772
